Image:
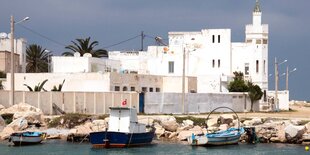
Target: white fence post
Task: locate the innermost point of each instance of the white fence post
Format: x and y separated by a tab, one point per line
95	103
74	103
104	103
39	94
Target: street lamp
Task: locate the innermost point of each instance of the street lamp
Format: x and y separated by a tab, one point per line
287	74
12	56
183	77
276	65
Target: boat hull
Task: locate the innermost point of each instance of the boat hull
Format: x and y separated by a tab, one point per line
26	138
230	136
119	139
223	140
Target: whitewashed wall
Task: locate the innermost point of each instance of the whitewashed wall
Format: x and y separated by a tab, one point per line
19	48
73	102
171	103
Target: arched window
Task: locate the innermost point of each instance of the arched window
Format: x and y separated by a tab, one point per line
125	88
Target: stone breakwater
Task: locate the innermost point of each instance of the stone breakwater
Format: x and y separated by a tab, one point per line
168	127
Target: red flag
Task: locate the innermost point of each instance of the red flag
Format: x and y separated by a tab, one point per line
124	102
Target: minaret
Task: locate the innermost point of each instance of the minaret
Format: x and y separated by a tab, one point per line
256	37
257	14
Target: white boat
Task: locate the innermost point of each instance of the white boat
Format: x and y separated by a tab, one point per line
27	138
124	130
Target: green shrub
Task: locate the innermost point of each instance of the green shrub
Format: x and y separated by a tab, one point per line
69	120
103	116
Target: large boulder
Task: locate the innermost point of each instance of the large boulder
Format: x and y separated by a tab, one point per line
98	125
31	117
2	123
54	133
212	122
197	130
296	121
253	122
1	107
159	130
227	118
171	126
30	113
307	127
294	133
186	125
147	120
21	107
82	129
19	124
6	132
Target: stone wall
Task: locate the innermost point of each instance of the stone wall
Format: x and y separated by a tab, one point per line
72	102
171	103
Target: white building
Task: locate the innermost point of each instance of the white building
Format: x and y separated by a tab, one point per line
210	59
19	48
209	55
85	64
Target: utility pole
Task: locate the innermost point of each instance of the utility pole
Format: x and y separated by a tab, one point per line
276	83
142	38
286	78
12	62
183	82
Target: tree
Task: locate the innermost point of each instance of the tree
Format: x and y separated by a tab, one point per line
83	46
59	87
37	59
238	85
255	93
38	87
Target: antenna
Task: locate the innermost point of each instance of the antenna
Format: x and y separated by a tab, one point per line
142	39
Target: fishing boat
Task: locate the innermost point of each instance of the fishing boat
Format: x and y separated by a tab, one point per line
123	130
225	137
27	138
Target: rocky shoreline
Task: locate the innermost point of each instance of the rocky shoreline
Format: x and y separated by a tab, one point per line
168	127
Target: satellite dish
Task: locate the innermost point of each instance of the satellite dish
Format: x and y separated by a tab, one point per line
3	35
9	35
87	55
76	54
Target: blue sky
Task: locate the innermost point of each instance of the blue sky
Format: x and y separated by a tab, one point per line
112	21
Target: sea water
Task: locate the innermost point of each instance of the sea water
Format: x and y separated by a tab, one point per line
57	147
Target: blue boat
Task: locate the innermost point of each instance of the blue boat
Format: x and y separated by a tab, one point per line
123	131
229	136
27	138
225	137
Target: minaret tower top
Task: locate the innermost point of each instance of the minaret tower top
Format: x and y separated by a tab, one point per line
257	7
257	14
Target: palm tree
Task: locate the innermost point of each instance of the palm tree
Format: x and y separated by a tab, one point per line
255	93
83	46
37	59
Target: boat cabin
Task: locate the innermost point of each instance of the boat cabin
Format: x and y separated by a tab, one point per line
124	119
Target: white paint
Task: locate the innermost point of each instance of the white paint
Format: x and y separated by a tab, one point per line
125	120
19	47
67	64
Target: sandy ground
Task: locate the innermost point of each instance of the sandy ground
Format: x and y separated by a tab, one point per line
297	112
